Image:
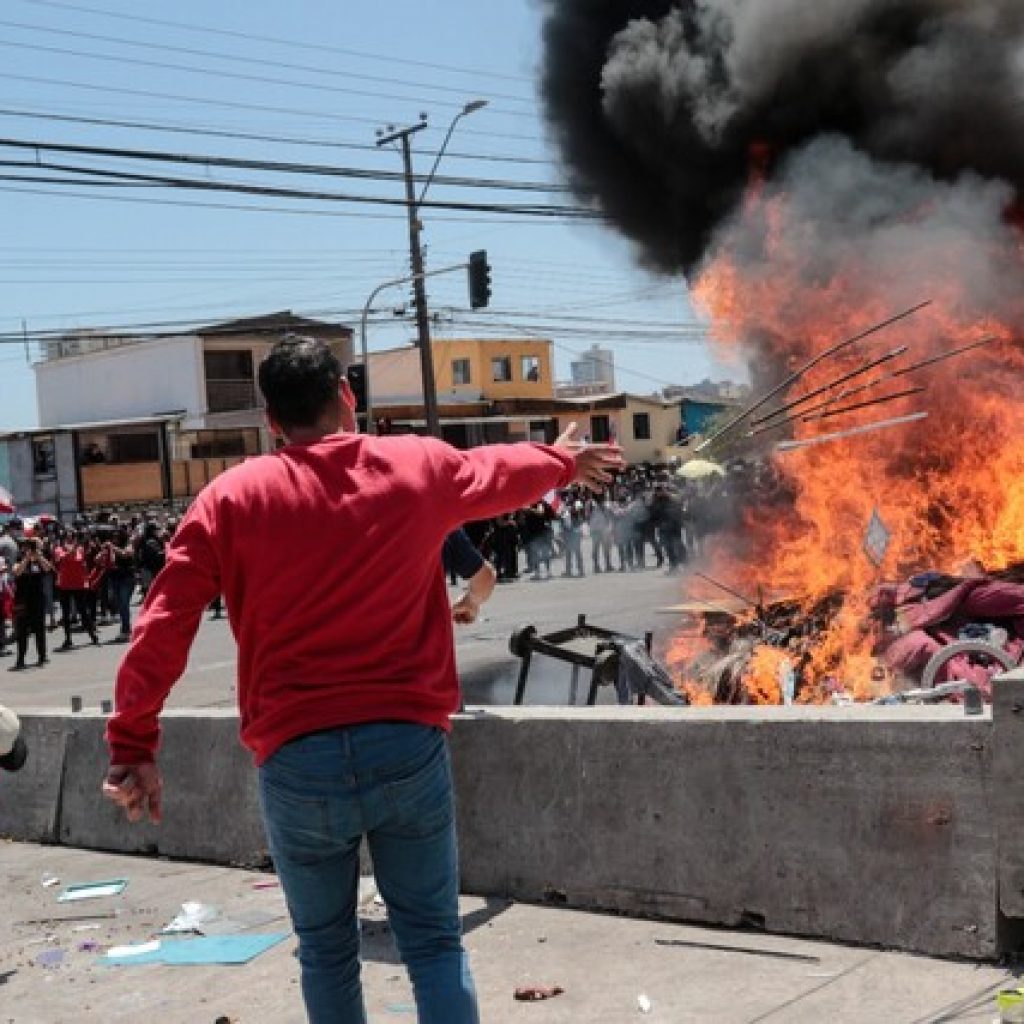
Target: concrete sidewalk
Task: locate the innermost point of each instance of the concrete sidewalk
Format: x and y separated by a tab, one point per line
603	963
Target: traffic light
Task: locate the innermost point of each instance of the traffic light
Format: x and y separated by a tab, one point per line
479	280
356	374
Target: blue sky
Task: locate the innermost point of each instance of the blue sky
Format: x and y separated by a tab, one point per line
314	80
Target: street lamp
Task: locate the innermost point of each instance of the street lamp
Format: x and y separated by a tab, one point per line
470	108
416	252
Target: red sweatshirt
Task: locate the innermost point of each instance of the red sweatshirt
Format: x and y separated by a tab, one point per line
329	556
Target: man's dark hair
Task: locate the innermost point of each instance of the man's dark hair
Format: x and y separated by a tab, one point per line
299	381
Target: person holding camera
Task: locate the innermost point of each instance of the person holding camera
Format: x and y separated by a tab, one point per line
30	573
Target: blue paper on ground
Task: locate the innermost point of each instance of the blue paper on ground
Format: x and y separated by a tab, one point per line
208	949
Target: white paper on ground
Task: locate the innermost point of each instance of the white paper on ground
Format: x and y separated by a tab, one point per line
137	950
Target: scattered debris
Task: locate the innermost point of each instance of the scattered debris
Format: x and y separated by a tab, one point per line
136	949
643	1003
89	946
266	885
400	1008
50	958
192	918
746	950
93	890
48	880
105	915
535	993
1010	1004
203	951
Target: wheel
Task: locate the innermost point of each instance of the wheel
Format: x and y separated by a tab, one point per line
978	648
519	642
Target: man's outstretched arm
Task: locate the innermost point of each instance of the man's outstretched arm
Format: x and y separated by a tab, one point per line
155	661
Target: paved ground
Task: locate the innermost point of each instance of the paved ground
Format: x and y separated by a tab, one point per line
624	601
604	963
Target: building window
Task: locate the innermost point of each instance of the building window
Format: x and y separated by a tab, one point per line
642	426
134	447
460	372
44	456
531	368
501	369
600	429
230	386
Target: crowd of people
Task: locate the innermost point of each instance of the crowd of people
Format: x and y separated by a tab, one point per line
88	571
650	517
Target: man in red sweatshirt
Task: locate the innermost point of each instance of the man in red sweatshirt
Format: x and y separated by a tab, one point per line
346	670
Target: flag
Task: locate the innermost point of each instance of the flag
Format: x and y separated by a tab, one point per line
6	502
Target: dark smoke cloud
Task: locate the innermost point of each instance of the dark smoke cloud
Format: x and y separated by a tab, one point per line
663	108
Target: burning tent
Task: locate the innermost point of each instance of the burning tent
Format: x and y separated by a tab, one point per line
812	170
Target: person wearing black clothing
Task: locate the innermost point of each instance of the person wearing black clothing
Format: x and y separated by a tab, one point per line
506	548
30	601
122	580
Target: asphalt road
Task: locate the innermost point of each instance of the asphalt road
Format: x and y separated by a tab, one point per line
628	602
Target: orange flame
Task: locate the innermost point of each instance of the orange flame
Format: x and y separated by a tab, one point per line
948	488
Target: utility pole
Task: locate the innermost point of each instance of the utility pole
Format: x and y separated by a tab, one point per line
419	288
403	136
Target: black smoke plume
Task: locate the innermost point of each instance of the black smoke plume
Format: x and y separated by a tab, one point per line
664	109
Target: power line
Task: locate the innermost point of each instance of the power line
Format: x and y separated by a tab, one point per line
255	208
319	47
153	126
137	180
283	167
238	76
236	105
259	61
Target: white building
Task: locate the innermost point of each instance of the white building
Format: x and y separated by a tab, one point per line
127	420
595	366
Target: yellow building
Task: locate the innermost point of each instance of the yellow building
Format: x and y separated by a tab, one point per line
466	370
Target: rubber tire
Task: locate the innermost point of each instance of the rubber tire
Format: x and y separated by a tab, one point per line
940	658
519	642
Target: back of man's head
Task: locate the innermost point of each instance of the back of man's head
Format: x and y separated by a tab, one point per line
299	381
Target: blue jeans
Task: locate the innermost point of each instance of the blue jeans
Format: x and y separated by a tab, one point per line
123	587
392	783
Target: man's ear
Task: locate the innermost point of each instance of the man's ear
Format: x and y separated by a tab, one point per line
275	428
349	420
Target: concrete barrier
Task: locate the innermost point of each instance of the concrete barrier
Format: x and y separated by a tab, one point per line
891	826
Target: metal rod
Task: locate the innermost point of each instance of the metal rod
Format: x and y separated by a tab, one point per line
792	446
895	353
945	355
727	590
777	954
796	375
903	371
862	405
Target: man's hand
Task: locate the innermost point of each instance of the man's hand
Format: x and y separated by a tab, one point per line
466	609
136	788
594	462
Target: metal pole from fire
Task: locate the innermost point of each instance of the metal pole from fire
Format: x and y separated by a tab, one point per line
403	136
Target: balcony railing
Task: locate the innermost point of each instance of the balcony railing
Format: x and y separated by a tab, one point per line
230	395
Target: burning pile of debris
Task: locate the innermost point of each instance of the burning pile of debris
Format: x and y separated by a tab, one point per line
932	629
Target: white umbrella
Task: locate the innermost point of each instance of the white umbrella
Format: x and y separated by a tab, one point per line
699	469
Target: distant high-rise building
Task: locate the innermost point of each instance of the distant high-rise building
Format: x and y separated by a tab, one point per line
595	366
